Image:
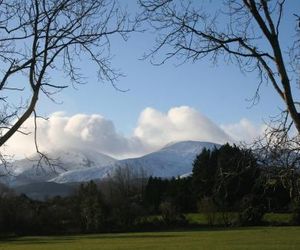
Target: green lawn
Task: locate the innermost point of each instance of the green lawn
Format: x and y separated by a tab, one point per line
269	218
277	218
245	238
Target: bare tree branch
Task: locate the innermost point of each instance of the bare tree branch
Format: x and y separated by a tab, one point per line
243	32
39	37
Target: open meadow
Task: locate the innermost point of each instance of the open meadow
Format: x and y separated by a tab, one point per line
241	238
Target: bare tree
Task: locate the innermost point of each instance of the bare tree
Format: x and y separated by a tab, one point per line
123	190
42	38
127	180
243	32
278	154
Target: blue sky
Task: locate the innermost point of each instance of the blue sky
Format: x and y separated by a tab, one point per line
218	92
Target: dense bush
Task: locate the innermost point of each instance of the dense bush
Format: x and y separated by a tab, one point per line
207	207
171	214
251	212
296	212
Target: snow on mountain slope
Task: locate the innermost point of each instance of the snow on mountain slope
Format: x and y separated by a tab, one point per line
25	171
84	175
174	159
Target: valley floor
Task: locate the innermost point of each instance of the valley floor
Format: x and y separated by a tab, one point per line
237	238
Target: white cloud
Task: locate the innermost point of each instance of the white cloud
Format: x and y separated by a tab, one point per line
154	129
244	130
80	131
180	123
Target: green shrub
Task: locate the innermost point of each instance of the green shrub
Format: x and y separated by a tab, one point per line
170	214
252	212
209	209
296	213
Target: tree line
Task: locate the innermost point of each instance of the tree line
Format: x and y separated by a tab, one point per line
225	181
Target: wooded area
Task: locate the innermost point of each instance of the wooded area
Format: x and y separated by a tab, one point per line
225	181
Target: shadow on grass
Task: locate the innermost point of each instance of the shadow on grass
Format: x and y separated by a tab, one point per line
38	240
72	239
167	234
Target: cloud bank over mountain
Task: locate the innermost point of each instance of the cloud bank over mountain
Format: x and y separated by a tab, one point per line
244	130
178	124
154	129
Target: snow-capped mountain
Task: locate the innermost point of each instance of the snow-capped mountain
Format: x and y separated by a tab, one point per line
175	159
28	171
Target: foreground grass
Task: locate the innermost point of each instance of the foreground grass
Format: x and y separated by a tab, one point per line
244	238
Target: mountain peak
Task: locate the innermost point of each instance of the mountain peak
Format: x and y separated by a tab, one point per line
189	143
187	147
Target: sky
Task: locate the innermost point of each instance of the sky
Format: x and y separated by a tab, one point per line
193	101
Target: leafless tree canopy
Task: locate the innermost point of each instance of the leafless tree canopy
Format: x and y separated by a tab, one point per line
245	32
39	38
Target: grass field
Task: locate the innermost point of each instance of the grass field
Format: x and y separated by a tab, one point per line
245	238
269	218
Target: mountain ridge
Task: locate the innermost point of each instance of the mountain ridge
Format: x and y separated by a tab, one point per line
172	160
25	172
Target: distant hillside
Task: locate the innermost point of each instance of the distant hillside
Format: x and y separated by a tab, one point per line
174	159
25	172
71	166
43	190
